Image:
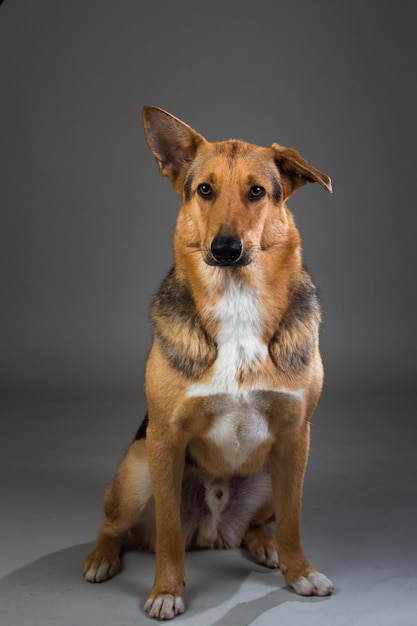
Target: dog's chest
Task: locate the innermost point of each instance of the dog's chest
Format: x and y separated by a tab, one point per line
239	425
239	341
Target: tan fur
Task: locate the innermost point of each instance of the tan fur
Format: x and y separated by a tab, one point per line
252	422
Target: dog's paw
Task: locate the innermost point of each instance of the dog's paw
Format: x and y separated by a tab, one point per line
98	569
262	547
165	606
314	584
267	555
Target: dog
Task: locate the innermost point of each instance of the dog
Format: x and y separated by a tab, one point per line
233	375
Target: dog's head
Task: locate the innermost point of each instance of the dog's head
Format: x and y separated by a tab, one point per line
233	193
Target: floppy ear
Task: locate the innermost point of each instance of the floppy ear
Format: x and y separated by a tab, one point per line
296	171
172	142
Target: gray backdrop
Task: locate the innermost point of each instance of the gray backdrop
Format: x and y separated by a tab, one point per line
86	220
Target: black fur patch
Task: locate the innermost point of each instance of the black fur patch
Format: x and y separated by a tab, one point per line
293	343
276	190
141	431
178	329
174	300
233	148
187	187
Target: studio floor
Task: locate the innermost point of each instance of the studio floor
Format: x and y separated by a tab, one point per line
359	520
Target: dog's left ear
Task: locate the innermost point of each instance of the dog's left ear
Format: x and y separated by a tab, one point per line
172	142
296	171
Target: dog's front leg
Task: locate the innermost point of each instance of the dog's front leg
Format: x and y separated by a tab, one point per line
287	464
166	465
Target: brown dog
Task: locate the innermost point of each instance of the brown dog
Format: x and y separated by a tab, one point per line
233	375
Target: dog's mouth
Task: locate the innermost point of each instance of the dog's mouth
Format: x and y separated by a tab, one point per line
227	251
244	260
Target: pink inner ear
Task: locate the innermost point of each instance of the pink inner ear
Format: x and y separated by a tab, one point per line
172	152
181	157
176	158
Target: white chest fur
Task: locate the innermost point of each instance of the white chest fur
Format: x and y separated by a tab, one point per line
239	340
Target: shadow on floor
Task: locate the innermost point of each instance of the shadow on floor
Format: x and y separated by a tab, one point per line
224	587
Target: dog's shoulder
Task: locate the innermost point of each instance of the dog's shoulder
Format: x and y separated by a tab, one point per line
173	301
179	330
294	341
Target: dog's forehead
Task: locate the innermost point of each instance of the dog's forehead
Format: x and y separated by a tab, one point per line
234	157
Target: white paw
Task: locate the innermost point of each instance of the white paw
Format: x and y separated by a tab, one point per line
314	584
268	556
265	554
164	606
103	571
272	559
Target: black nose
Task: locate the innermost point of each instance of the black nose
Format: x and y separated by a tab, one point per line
226	250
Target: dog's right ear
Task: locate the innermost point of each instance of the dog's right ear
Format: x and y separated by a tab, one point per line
172	142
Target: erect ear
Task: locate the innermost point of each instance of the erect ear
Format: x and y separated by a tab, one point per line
296	171
172	142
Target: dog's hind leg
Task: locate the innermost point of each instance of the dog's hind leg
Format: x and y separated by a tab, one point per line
125	501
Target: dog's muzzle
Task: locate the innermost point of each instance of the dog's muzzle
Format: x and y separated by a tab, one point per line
227	252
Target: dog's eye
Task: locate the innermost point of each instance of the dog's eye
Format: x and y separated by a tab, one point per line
256	192
205	190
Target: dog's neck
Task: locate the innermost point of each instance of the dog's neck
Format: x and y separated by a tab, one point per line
243	290
237	316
